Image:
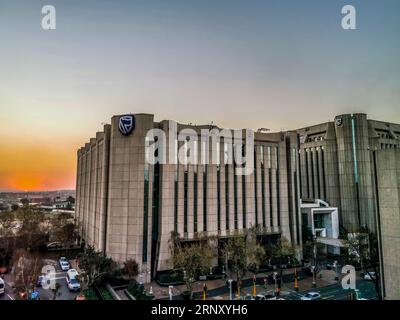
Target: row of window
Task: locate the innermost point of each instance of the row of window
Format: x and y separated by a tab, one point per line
262	214
314	166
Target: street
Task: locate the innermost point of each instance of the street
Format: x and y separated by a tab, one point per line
7	295
45	294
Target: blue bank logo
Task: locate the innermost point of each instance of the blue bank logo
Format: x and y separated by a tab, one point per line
126	124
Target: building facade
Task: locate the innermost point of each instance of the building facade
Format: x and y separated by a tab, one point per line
387	164
128	208
337	166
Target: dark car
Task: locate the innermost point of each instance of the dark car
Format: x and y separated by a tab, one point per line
39	281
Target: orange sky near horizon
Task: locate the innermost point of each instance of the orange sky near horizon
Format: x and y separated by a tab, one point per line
36	167
280	65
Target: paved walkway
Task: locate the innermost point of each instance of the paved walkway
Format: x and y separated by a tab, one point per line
218	289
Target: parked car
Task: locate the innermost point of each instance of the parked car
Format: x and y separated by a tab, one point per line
39	281
72	280
64	264
2	285
369	276
311	296
264	296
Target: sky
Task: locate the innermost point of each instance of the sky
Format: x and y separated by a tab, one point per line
242	64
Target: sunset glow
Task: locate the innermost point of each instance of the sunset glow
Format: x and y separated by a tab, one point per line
272	64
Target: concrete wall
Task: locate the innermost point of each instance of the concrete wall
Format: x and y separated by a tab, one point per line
388	178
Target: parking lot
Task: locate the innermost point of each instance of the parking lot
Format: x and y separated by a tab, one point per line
59	277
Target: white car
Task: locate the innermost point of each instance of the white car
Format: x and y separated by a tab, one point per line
311	296
64	264
369	276
72	281
2	285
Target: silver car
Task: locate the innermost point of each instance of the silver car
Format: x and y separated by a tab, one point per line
311	296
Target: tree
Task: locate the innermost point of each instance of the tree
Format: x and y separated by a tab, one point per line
194	258
130	269
363	250
65	230
33	227
27	268
243	252
7	237
14	207
282	251
94	266
71	199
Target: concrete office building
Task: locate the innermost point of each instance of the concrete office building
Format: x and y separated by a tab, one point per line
387	175
336	165
128	208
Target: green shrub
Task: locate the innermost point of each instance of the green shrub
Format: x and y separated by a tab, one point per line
90	295
106	295
137	291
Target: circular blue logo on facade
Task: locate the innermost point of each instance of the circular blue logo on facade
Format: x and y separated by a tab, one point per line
126	124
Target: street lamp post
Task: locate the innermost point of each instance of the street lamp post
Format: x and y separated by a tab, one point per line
170	292
335	265
230	289
276	283
314	284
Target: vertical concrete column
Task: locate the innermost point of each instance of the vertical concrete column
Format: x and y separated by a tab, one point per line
283	186
268	190
181	190
345	154
104	188
212	199
310	173
92	201
83	194
259	198
200	208
222	192
231	169
239	200
274	190
388	182
314	154
303	178
322	187
190	211
331	168
87	191
78	186
250	197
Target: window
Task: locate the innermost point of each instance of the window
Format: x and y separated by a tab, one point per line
318	221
